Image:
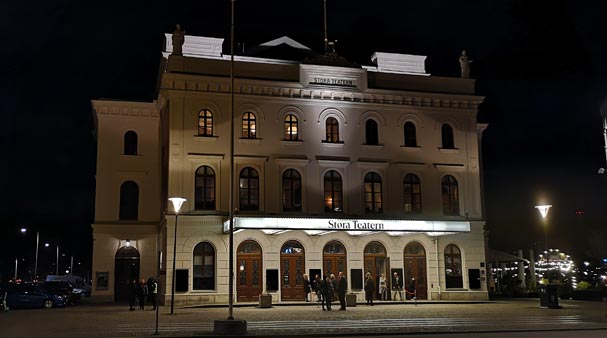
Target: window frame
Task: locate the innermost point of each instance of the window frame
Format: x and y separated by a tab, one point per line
289	189
249	125
130	145
372	189
207	128
374	132
450	195
291	121
247	193
202	276
412	180
334	182
202	203
447	136
410	134
332	130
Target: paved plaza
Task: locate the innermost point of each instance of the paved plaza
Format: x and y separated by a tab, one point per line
88	320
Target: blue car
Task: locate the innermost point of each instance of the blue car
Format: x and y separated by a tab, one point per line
26	295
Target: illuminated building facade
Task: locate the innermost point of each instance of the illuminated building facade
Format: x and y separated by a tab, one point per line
338	167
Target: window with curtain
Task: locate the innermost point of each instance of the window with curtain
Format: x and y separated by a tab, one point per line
249	189
333	192
371	132
450	196
130	143
291	190
410	135
447	136
204	267
205	123
291	128
205	189
373	200
332	129
413	194
249	129
129	201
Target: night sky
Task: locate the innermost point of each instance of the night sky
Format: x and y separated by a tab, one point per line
540	65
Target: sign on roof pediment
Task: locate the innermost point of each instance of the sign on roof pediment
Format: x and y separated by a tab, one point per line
333	77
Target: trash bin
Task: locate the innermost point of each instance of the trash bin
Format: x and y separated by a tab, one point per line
265	301
549	296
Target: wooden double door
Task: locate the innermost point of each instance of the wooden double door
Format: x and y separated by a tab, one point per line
292	269
334	259
250	271
415	270
376	263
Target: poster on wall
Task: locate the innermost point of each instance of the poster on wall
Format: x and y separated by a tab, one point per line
102	278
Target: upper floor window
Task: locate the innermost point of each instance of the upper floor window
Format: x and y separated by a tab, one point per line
373	200
371	132
410	135
205	123
447	136
129	201
205	188
249	129
291	128
249	189
130	143
291	190
203	267
332	128
333	192
450	196
413	194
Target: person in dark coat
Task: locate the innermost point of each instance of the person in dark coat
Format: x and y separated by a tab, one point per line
330	292
316	288
342	287
142	292
132	293
324	290
369	289
307	287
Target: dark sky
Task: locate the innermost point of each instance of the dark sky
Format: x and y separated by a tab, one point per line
540	66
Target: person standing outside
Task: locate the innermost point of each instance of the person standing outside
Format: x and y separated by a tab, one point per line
324	291
342	287
307	287
330	291
397	286
316	288
369	288
142	291
382	287
132	292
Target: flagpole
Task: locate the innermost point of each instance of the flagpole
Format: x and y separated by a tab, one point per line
231	204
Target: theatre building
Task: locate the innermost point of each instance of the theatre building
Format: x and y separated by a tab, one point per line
337	167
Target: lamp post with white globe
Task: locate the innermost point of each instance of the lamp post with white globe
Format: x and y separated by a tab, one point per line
177	202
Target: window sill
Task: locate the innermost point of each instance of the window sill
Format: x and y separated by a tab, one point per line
412	149
373	146
338	145
202	138
131	155
291	143
448	150
203	291
249	140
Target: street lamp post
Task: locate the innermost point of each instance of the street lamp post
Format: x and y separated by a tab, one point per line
16	267
543	209
177	202
36	264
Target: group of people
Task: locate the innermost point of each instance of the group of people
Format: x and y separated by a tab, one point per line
326	288
139	292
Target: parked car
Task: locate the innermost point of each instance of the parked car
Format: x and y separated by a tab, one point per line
79	283
63	289
27	295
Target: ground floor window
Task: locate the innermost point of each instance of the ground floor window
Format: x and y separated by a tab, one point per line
204	267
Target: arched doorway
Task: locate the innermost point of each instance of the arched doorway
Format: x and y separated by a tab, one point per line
415	270
292	267
376	262
249	272
126	270
334	258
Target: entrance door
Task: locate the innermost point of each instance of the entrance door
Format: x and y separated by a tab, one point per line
292	267
249	272
126	270
415	270
375	262
334	259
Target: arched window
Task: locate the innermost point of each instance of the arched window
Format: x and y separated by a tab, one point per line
333	192
129	201
291	190
205	123
413	194
249	189
291	128
205	188
410	135
248	125
130	143
453	267
204	267
332	128
447	135
371	132
450	196
373	202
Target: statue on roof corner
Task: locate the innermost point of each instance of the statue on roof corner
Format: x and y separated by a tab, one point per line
178	39
464	64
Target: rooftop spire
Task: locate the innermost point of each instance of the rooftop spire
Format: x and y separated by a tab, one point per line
325	21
